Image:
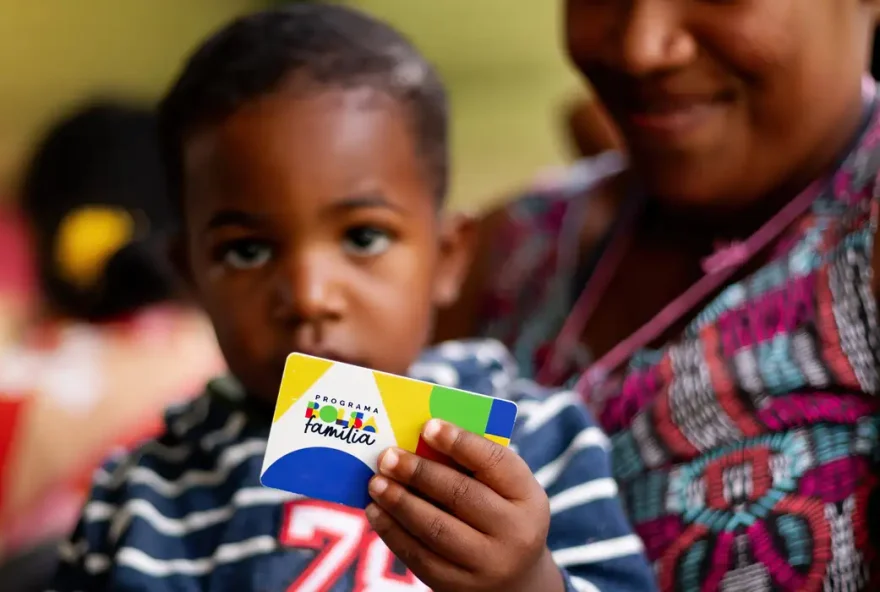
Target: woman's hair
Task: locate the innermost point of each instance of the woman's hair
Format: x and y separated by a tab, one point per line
95	198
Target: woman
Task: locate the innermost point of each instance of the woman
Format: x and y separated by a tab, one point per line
716	302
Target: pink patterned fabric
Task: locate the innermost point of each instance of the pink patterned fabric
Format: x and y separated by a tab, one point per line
744	449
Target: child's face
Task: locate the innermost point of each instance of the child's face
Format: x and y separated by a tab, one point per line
726	100
311	227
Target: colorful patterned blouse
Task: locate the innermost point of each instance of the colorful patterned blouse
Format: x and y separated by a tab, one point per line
743	450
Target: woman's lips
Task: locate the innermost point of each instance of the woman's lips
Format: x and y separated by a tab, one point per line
672	119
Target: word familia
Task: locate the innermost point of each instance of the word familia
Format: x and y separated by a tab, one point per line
330	421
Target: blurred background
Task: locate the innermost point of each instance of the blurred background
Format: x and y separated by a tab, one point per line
503	66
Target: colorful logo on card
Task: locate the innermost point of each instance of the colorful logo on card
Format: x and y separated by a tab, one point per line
331	418
332	421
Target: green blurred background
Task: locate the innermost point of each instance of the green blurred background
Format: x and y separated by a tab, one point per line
501	59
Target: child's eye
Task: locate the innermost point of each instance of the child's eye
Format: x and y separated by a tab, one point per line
247	254
366	241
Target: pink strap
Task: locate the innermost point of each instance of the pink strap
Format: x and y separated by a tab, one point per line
582	311
719	268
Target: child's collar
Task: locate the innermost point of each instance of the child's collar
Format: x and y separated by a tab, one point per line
479	365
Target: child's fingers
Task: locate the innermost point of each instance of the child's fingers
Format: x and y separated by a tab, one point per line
423	562
468	499
496	466
442	533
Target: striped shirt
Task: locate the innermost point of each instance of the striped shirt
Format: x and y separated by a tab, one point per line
186	512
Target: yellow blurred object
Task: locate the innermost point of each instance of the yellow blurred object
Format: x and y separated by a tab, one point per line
86	240
54	54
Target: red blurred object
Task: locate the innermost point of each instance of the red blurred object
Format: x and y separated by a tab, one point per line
17	274
67	375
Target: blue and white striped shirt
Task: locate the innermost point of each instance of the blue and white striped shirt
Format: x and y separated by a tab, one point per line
187	513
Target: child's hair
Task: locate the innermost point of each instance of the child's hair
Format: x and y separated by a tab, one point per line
313	46
95	198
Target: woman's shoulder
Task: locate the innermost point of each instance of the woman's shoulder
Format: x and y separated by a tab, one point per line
518	244
544	201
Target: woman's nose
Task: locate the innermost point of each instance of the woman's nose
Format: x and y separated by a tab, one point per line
653	38
309	289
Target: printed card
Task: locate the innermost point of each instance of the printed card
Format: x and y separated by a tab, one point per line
332	420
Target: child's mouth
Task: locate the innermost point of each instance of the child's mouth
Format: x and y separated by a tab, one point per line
330	355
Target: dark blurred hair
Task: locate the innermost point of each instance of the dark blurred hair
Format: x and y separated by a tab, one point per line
105	154
316	45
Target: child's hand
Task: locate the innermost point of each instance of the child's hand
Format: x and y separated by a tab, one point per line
468	534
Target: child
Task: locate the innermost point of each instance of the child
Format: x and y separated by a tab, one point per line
308	149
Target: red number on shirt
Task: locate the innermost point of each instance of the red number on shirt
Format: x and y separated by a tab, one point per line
341	536
334	531
375	570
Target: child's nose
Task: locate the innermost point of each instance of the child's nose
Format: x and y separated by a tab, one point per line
309	290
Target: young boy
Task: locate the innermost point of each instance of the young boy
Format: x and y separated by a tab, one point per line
308	149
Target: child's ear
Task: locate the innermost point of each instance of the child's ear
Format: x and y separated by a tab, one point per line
458	239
